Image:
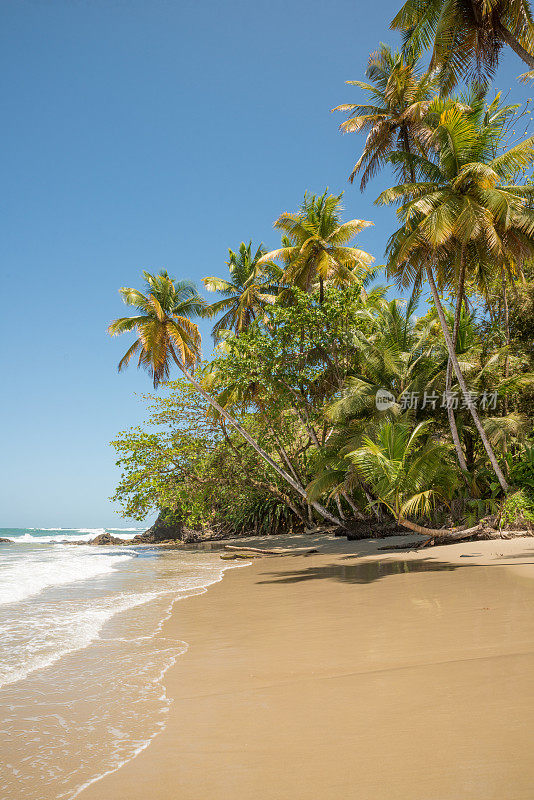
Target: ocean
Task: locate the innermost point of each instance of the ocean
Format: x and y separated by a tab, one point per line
82	653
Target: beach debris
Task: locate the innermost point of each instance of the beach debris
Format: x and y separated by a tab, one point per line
244	556
258	552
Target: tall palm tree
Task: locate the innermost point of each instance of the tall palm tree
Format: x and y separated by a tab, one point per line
317	249
464	210
393	116
165	334
467	35
248	291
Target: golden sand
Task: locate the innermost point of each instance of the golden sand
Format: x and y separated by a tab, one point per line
314	677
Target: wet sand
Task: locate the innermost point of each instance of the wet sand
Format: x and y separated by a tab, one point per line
351	673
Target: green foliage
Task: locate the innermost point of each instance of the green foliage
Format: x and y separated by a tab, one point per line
466	36
522	469
247	292
284	415
406	468
517	508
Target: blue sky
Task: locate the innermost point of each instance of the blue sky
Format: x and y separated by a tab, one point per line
141	135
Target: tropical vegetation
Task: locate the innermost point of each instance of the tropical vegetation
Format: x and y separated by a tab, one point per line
341	393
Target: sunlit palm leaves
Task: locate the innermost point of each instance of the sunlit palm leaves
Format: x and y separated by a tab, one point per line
393	118
466	36
165	333
316	248
406	468
249	289
464	199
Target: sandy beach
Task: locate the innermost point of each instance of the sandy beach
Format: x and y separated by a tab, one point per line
350	673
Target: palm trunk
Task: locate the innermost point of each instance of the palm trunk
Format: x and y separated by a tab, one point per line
355	510
462	384
448	381
259	450
281	450
413	526
407	149
512	42
507	335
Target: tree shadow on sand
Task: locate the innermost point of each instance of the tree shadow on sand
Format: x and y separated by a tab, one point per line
369	571
364	572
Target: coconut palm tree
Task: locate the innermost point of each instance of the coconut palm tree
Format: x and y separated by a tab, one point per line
317	249
166	335
466	35
464	210
248	291
164	328
393	116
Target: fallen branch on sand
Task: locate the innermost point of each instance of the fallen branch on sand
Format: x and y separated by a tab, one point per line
275	551
451	537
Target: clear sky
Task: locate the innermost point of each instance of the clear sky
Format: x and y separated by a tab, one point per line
141	135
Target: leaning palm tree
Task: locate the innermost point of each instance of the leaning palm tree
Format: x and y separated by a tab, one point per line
318	249
465	210
166	335
249	289
466	35
393	116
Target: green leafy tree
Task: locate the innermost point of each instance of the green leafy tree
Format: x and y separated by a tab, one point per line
166	335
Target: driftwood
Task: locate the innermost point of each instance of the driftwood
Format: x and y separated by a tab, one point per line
451	537
275	551
245	556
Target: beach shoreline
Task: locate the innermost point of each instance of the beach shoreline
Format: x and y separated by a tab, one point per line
351	672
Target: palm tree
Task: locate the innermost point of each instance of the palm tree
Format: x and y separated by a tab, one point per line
165	334
247	292
164	328
465	210
466	35
392	351
407	471
394	116
317	249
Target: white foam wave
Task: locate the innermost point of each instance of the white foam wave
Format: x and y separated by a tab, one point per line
54	638
29	576
83	535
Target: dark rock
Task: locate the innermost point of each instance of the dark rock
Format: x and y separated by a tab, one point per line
6	541
105	538
167	527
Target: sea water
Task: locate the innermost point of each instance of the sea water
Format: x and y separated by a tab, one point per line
83	653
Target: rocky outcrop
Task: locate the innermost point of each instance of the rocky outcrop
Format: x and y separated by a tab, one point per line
105	538
6	541
167	528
